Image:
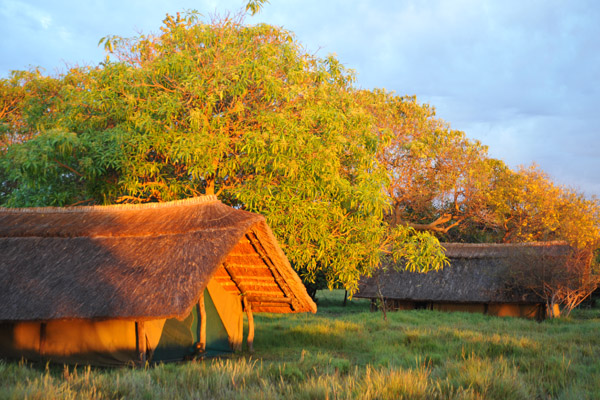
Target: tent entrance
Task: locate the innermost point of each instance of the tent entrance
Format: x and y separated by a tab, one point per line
179	338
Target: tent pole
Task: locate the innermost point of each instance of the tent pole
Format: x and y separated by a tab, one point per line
202	342
141	342
42	338
248	308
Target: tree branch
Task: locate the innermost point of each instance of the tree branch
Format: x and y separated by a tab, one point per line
436	226
69	168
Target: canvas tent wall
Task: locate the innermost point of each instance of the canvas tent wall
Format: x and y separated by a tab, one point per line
477	280
109	285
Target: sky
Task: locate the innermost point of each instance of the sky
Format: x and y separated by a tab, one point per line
520	76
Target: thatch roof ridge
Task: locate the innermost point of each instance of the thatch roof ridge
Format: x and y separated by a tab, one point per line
112	207
149	219
500	250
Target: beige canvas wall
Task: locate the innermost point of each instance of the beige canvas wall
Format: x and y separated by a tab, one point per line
110	342
536	311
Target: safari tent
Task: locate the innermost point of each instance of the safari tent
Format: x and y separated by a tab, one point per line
113	285
478	279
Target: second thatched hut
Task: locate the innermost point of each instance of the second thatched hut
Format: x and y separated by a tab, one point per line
480	278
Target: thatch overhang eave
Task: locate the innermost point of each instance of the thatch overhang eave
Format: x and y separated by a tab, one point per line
303	302
257	269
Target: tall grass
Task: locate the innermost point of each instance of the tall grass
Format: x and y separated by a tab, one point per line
349	352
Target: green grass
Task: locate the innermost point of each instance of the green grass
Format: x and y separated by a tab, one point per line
349	352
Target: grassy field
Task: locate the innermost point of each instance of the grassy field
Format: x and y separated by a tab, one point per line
349	352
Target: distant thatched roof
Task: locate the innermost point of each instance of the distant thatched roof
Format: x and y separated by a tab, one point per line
138	261
477	273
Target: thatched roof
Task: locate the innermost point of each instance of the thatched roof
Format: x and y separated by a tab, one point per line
478	273
138	261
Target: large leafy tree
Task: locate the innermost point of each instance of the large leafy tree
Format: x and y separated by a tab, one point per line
221	108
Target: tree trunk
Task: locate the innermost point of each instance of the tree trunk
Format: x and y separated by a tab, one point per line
210	187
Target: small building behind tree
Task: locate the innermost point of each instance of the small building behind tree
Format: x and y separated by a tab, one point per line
483	278
113	285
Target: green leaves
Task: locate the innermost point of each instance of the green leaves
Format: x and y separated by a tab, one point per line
59	168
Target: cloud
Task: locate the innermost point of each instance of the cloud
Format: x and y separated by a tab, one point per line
63	33
24	14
